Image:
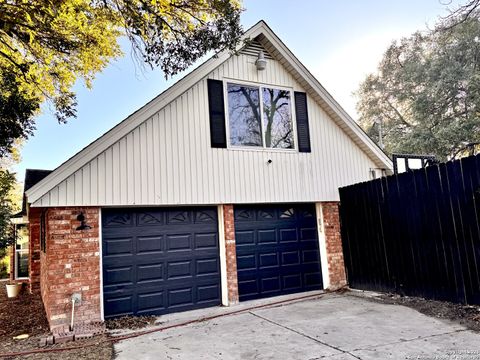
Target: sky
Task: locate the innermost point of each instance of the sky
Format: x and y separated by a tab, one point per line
340	42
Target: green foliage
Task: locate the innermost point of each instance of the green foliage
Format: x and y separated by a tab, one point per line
427	91
46	46
7	183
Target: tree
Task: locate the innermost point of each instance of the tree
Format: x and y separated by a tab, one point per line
46	46
458	15
7	208
426	92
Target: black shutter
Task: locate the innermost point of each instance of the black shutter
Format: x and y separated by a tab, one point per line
216	107
303	131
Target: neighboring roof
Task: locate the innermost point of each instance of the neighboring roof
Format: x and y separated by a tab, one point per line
32	177
277	49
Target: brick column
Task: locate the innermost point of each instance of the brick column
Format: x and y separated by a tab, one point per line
71	264
34	215
231	254
333	240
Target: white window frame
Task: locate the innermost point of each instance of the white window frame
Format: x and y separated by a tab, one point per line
260	87
26	250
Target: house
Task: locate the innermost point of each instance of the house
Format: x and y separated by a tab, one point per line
221	189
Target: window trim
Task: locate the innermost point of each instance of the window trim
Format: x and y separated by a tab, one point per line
16	263
260	87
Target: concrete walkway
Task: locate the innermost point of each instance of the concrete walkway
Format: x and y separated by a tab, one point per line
333	327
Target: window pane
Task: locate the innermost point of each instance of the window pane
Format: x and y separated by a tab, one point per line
22	263
277	118
244	115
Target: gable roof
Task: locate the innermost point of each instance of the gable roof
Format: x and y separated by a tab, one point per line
32	177
262	33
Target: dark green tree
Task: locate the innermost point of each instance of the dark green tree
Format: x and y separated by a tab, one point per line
7	207
46	46
426	91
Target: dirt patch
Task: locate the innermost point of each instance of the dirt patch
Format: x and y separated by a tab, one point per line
22	315
25	315
130	322
466	315
100	349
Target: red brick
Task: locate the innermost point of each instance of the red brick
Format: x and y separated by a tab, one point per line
65	245
231	254
336	265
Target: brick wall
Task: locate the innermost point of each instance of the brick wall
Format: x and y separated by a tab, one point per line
71	264
34	215
333	240
231	254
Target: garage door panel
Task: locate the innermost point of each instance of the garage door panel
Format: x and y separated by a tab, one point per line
151	301
150	218
149	244
178	242
310	256
292	282
208	293
270	285
308	234
118	246
312	279
180	297
179	269
245	262
266	236
206	216
244	237
168	262
288	235
205	241
179	217
150	272
206	267
291	257
268	260
119	275
277	249
248	287
117	219
122	304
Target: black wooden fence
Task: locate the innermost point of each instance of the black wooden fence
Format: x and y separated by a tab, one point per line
417	233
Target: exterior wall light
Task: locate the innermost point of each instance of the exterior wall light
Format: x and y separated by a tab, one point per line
83	224
261	62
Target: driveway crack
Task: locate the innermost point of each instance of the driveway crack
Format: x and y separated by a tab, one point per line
371	347
305	335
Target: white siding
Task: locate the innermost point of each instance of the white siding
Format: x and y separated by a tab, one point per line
168	160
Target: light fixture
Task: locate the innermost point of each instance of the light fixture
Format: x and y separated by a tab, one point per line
261	62
83	224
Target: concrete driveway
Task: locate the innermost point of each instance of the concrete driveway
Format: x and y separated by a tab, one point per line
331	326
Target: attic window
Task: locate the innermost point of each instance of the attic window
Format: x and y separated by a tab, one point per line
260	117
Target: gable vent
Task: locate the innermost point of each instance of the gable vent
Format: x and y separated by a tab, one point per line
253	48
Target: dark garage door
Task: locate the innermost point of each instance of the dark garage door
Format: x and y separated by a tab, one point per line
159	260
277	250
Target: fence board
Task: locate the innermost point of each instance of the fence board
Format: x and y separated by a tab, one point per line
416	233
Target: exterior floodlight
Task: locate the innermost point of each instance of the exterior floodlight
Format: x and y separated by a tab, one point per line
261	63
